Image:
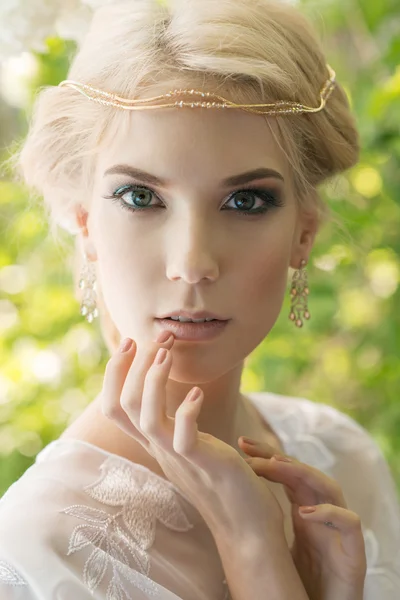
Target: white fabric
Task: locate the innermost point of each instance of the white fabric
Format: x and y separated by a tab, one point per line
82	523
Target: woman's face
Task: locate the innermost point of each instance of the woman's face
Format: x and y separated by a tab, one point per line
194	246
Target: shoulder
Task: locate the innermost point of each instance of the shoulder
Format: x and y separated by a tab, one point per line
317	433
25	526
40	527
74	517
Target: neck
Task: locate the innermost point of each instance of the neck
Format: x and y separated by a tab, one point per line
221	404
225	414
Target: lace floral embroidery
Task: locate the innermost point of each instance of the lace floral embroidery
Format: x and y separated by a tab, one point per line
127	535
9	575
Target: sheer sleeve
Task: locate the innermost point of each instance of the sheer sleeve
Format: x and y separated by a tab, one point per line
348	453
12	585
331	441
82	523
373	496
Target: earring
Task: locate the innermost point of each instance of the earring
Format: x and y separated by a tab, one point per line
87	283
299	293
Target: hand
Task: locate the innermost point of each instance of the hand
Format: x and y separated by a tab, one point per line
212	474
328	559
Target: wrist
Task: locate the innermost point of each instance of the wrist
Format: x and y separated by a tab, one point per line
267	563
268	554
347	586
338	589
250	542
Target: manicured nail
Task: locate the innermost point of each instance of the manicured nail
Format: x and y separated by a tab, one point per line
249	441
194	395
126	344
282	458
160	356
163	336
307	509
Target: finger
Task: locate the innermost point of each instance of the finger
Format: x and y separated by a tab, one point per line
113	381
254	448
153	415
347	522
186	428
116	371
304	485
132	391
267	469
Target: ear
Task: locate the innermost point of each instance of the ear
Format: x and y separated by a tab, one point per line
88	246
304	235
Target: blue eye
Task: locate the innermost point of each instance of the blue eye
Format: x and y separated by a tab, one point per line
142	196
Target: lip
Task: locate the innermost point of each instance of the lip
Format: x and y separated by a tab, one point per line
200	314
193	332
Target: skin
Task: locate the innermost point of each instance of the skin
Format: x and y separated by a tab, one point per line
191	252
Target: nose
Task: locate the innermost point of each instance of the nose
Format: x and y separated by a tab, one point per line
190	254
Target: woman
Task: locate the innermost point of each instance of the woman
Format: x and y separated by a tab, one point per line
184	210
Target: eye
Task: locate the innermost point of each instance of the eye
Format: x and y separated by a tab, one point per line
249	196
140	198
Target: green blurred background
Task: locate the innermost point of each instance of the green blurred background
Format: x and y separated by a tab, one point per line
52	361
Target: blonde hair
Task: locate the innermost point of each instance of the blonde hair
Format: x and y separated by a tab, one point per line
258	51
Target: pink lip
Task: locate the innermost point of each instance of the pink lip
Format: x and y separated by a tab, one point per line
201	314
193	332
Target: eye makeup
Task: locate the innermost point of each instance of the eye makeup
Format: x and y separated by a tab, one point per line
269	198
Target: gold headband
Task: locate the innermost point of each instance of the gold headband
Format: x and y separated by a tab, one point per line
214	101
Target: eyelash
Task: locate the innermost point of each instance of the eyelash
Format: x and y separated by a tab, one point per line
268	197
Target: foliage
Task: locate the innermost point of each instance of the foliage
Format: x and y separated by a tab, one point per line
52	360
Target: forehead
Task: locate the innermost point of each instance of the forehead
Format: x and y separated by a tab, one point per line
194	142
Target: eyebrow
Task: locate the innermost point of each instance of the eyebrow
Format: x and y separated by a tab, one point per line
260	173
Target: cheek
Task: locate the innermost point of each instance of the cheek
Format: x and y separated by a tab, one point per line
126	295
124	277
263	289
267	277
124	253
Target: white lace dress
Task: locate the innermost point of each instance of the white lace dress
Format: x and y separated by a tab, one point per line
82	523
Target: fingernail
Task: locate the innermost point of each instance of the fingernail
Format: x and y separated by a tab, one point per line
307	509
126	344
249	441
160	356
163	336
194	395
282	458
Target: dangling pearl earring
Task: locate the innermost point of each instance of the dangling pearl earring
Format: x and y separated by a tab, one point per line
299	292
87	283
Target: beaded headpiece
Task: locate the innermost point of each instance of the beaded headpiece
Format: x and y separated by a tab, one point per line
212	100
